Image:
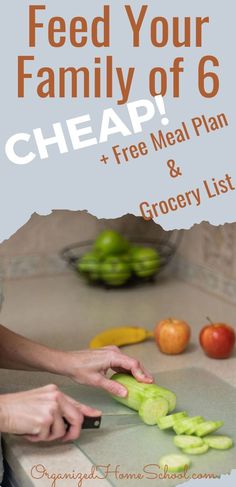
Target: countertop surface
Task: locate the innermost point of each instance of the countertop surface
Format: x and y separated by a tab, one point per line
63	312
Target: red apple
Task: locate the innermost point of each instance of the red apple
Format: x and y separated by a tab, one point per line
217	340
172	335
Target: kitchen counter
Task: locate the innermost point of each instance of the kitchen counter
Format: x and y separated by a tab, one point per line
63	312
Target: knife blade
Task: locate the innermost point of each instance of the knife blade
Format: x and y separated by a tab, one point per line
111	419
120	419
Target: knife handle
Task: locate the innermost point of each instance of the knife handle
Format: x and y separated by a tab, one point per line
90	422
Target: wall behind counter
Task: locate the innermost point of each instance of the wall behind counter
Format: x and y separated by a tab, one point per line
34	249
206	256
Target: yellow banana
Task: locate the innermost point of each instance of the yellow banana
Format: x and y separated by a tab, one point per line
124	335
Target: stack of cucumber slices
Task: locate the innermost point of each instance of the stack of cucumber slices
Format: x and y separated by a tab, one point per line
193	437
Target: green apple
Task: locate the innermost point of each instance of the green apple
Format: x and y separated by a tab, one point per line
145	261
110	242
115	271
89	265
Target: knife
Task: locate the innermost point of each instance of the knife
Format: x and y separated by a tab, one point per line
109	419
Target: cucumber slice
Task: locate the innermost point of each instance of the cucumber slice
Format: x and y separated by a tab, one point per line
169	421
208	427
192	428
186	424
219	442
197	450
153	408
185	441
175	462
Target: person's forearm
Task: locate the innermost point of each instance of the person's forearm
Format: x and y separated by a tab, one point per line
17	352
85	367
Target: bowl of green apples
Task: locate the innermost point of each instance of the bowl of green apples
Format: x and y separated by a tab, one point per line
114	261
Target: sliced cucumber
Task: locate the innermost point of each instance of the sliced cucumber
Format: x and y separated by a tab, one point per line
186	441
208	427
132	401
153	408
185	424
152	390
169	421
219	442
196	450
135	391
174	462
138	391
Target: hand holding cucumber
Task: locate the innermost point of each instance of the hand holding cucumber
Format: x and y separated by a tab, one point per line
90	367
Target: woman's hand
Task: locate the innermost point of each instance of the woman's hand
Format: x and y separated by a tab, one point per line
39	414
90	367
86	366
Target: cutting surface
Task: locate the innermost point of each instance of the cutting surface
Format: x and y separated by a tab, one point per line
132	448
